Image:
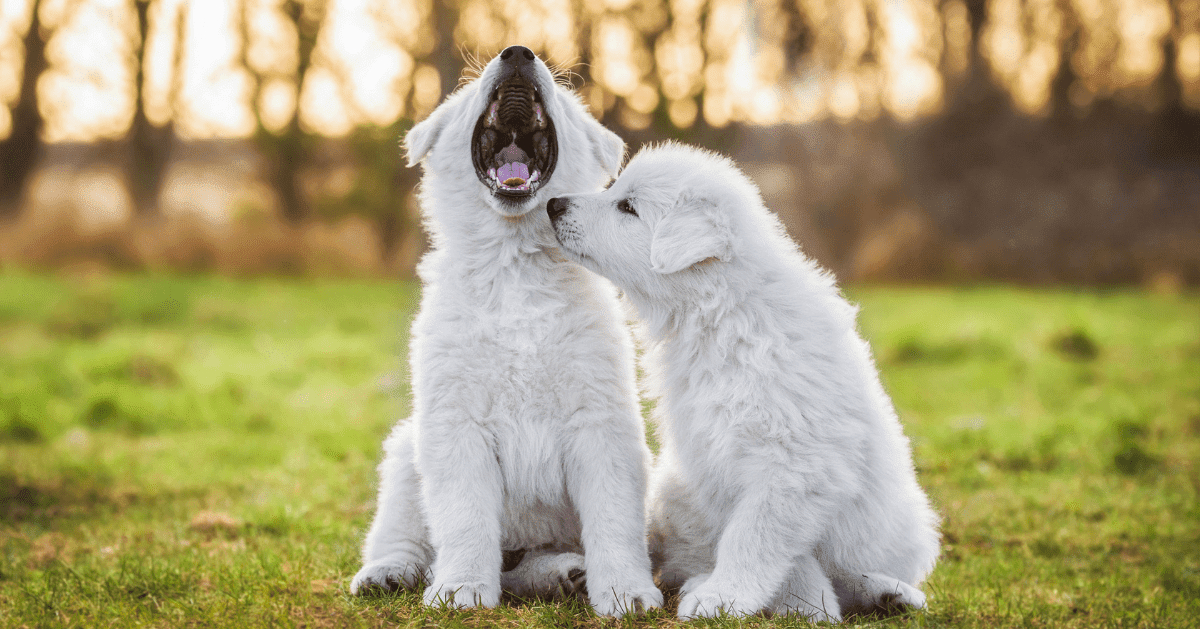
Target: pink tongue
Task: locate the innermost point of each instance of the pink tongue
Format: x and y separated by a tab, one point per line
511	170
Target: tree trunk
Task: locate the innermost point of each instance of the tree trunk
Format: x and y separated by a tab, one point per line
291	147
445	57
288	157
1175	132
1061	107
19	152
148	145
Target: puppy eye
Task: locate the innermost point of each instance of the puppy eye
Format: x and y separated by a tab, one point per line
624	206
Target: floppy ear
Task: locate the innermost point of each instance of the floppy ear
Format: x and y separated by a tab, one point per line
420	139
692	232
608	147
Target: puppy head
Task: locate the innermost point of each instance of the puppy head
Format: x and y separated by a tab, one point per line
669	218
513	138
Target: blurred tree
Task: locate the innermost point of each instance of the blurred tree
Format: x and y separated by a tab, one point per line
19	152
1177	131
286	150
148	145
446	57
382	187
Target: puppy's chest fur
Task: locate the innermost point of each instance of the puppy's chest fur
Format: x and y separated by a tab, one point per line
505	359
507	344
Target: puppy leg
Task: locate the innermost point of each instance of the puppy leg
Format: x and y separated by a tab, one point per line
808	592
870	591
682	545
606	480
757	549
396	553
462	493
547	573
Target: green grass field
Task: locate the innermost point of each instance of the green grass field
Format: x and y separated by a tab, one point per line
199	451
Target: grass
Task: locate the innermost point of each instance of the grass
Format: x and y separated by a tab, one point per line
199	451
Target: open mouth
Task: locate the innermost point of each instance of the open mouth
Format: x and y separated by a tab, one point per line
514	146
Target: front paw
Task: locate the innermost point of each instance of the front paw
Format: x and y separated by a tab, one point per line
900	597
619	601
700	600
462	595
388	575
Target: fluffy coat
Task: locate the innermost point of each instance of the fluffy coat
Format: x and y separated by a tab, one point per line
525	431
785	482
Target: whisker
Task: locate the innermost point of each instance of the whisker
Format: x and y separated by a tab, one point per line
564	74
472	66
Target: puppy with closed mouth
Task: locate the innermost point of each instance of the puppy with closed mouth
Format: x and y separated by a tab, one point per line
785	483
525	431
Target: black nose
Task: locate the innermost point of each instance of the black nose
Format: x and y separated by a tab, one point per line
516	55
556	207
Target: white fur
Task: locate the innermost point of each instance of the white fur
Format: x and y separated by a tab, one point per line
785	483
525	429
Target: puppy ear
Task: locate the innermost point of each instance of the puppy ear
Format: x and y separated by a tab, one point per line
608	146
693	231
420	139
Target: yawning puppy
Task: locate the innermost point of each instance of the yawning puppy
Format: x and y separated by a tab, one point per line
525	430
785	483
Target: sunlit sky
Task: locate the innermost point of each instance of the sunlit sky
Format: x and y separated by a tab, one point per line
365	68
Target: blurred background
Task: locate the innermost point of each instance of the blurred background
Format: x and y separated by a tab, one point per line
1031	141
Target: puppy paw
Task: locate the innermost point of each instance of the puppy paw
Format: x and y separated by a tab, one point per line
388	575
461	595
902	596
874	591
706	602
548	575
619	601
704	597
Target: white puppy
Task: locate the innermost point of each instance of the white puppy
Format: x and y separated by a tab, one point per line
785	483
525	431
